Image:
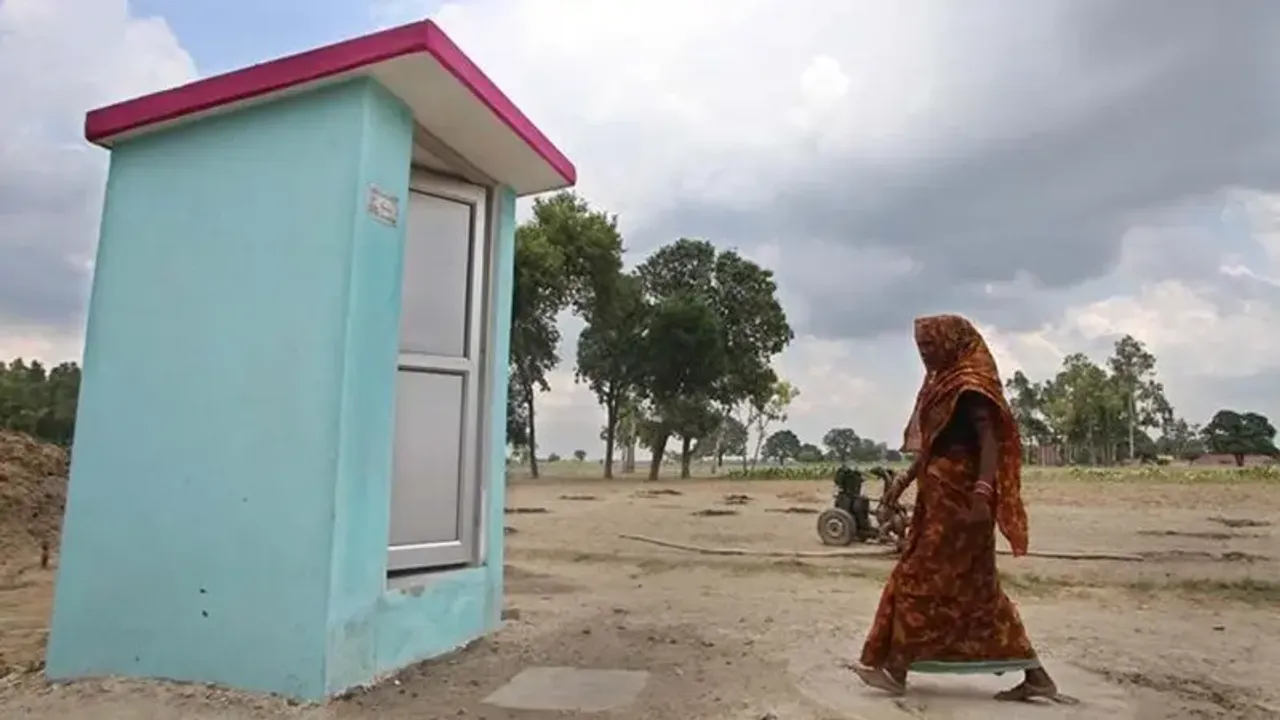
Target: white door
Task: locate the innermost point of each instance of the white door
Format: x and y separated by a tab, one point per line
435	491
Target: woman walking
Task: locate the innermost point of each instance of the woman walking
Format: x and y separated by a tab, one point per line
942	610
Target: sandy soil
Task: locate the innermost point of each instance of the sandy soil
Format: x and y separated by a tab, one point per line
1190	633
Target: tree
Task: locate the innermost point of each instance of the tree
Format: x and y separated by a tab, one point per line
769	409
1027	401
517	416
733	439
537	295
1240	434
580	455
728	438
566	256
685	356
1085	409
868	450
589	245
631	422
755	327
1181	439
611	357
1094	413
841	443
782	446
809	453
1133	370
750	321
39	402
691	418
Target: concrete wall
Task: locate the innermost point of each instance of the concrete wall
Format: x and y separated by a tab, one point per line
363	508
228	512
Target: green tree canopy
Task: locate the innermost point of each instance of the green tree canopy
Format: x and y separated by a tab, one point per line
567	256
612	352
782	446
809	453
736	300
1240	434
39	402
841	443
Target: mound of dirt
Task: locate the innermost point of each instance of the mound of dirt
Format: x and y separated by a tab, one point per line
33	492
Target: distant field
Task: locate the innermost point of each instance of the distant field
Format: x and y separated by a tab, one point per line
1178	473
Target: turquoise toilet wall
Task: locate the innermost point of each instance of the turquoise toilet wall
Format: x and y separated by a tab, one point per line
229	501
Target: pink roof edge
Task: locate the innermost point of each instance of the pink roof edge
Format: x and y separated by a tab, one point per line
275	75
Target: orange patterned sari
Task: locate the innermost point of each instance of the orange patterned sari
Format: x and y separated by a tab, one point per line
942	609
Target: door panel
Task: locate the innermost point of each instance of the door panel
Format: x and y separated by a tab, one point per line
428	458
437	277
436	493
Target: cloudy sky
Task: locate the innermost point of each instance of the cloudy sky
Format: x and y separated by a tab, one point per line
1062	171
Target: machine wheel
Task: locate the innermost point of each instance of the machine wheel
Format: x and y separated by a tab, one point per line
836	526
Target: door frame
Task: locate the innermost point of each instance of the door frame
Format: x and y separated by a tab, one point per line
475	372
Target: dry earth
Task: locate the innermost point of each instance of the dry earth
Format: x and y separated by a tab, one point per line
1190	633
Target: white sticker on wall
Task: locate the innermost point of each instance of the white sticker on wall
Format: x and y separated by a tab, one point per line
383	207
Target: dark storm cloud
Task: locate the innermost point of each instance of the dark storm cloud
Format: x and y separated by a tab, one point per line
49	196
1127	107
40	286
1246	393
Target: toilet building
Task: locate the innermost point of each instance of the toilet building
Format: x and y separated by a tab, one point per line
288	470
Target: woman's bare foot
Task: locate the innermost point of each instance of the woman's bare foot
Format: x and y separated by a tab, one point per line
1036	684
881	679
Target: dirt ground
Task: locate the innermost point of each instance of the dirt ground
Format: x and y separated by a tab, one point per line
1189	633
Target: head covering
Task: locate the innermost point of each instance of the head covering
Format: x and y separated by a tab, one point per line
957	360
911	440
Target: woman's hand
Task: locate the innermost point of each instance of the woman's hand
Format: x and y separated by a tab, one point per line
980	508
892	493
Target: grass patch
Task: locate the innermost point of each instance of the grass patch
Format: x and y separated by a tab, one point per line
755	567
730	565
1040	586
1248	591
1255	592
1239	522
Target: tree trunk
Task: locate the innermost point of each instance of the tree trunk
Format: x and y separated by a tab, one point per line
533	434
629	452
610	433
755	456
686	449
719	451
1133	418
659	449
